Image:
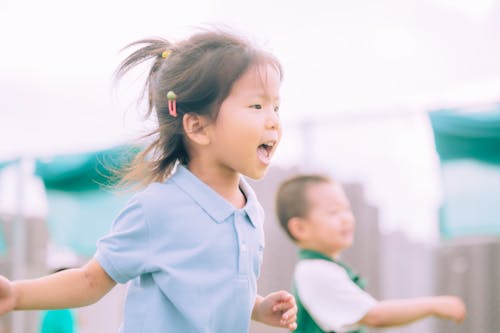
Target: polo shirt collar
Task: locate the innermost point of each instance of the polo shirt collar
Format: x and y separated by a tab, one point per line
252	206
218	208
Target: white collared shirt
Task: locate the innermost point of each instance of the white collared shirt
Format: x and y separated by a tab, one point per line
329	295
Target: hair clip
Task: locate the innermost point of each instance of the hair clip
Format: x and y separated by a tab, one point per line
165	54
172	103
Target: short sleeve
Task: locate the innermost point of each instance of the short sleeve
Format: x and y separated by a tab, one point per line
331	298
122	253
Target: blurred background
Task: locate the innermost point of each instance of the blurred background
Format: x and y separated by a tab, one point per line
400	100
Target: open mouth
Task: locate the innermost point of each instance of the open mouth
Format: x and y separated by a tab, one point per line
264	151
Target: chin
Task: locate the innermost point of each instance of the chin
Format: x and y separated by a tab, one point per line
256	174
347	245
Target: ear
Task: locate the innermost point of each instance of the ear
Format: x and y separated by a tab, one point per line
195	127
297	227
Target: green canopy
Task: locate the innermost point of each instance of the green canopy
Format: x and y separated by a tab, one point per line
468	145
83	171
460	134
3	164
81	203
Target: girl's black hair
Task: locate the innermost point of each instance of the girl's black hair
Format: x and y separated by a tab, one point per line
201	71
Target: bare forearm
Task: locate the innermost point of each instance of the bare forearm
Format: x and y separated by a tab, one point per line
66	289
398	312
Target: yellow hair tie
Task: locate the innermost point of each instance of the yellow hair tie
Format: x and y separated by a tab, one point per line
165	54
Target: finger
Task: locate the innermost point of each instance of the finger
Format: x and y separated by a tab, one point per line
291	320
288	301
290	313
282	296
283	306
292	326
288	322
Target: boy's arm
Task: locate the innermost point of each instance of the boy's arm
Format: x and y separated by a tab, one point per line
400	312
66	289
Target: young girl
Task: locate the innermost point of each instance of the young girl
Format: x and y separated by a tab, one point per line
191	242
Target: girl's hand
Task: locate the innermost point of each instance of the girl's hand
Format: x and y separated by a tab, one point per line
276	309
450	307
7	298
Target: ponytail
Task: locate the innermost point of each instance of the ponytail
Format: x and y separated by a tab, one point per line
156	161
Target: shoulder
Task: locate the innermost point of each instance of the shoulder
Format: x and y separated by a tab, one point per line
155	189
319	274
159	195
154	200
314	269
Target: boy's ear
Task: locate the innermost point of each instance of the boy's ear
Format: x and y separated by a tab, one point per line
297	228
195	127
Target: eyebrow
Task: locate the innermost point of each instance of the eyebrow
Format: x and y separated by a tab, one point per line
268	97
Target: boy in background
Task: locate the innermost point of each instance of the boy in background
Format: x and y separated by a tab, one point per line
316	214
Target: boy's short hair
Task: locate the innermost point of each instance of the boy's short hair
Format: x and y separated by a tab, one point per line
291	200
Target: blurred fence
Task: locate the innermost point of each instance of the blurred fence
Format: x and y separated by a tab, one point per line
35	264
471	268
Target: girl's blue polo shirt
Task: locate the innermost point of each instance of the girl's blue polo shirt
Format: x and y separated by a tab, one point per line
192	257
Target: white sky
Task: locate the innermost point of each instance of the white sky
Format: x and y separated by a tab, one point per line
341	58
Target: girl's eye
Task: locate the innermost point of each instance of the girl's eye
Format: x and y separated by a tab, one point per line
256	106
277	108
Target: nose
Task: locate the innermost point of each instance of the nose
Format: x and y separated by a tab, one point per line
273	120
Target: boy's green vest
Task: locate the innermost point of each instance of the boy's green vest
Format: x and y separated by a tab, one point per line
305	323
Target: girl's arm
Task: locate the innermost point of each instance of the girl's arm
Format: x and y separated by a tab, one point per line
66	289
400	312
276	309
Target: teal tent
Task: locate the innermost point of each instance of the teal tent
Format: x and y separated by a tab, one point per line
460	135
468	145
81	201
3	164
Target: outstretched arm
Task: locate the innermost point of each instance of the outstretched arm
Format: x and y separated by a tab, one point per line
66	289
400	312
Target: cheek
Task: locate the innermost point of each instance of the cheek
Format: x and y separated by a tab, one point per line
335	230
226	133
328	230
280	134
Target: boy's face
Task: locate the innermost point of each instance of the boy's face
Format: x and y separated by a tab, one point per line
329	224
